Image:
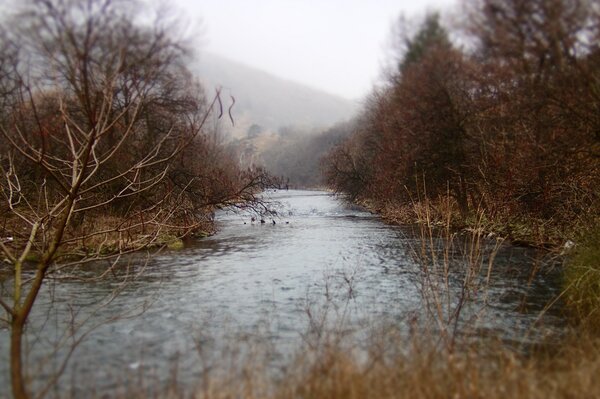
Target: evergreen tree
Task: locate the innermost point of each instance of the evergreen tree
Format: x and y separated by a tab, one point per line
431	35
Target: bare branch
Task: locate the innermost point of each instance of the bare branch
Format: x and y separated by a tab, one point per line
7	307
8	253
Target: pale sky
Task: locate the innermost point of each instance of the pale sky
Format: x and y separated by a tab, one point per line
334	45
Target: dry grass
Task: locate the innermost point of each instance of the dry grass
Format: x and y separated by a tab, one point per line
417	371
427	373
520	229
103	234
407	213
582	281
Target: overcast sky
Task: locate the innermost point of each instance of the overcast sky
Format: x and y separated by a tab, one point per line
334	45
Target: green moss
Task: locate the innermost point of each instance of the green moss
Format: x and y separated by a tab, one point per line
202	234
175	244
582	280
171	241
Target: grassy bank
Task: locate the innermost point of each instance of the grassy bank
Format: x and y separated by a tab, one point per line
517	228
582	280
103	235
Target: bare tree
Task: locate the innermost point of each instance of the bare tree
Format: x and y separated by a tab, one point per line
535	38
103	148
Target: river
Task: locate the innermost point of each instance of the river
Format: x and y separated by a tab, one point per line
258	282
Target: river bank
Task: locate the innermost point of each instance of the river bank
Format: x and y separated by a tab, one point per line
518	229
104	235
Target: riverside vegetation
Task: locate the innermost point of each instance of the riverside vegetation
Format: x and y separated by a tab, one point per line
508	124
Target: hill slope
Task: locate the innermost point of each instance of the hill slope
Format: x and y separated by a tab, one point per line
270	102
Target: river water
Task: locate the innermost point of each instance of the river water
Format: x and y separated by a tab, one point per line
271	282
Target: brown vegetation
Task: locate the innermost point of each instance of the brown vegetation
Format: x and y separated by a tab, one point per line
477	372
415	370
509	126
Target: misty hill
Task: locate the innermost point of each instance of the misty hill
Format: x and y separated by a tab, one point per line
268	102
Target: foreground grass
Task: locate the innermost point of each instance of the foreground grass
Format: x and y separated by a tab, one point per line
418	370
430	374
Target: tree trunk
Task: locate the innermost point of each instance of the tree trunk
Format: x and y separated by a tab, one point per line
16	358
461	196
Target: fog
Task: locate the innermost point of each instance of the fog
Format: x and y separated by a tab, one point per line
296	68
335	45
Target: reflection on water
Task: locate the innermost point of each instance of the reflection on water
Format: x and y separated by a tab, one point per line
254	277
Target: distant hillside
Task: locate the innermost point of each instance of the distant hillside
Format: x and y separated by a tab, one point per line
267	103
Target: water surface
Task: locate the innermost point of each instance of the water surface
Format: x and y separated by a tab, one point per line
258	281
